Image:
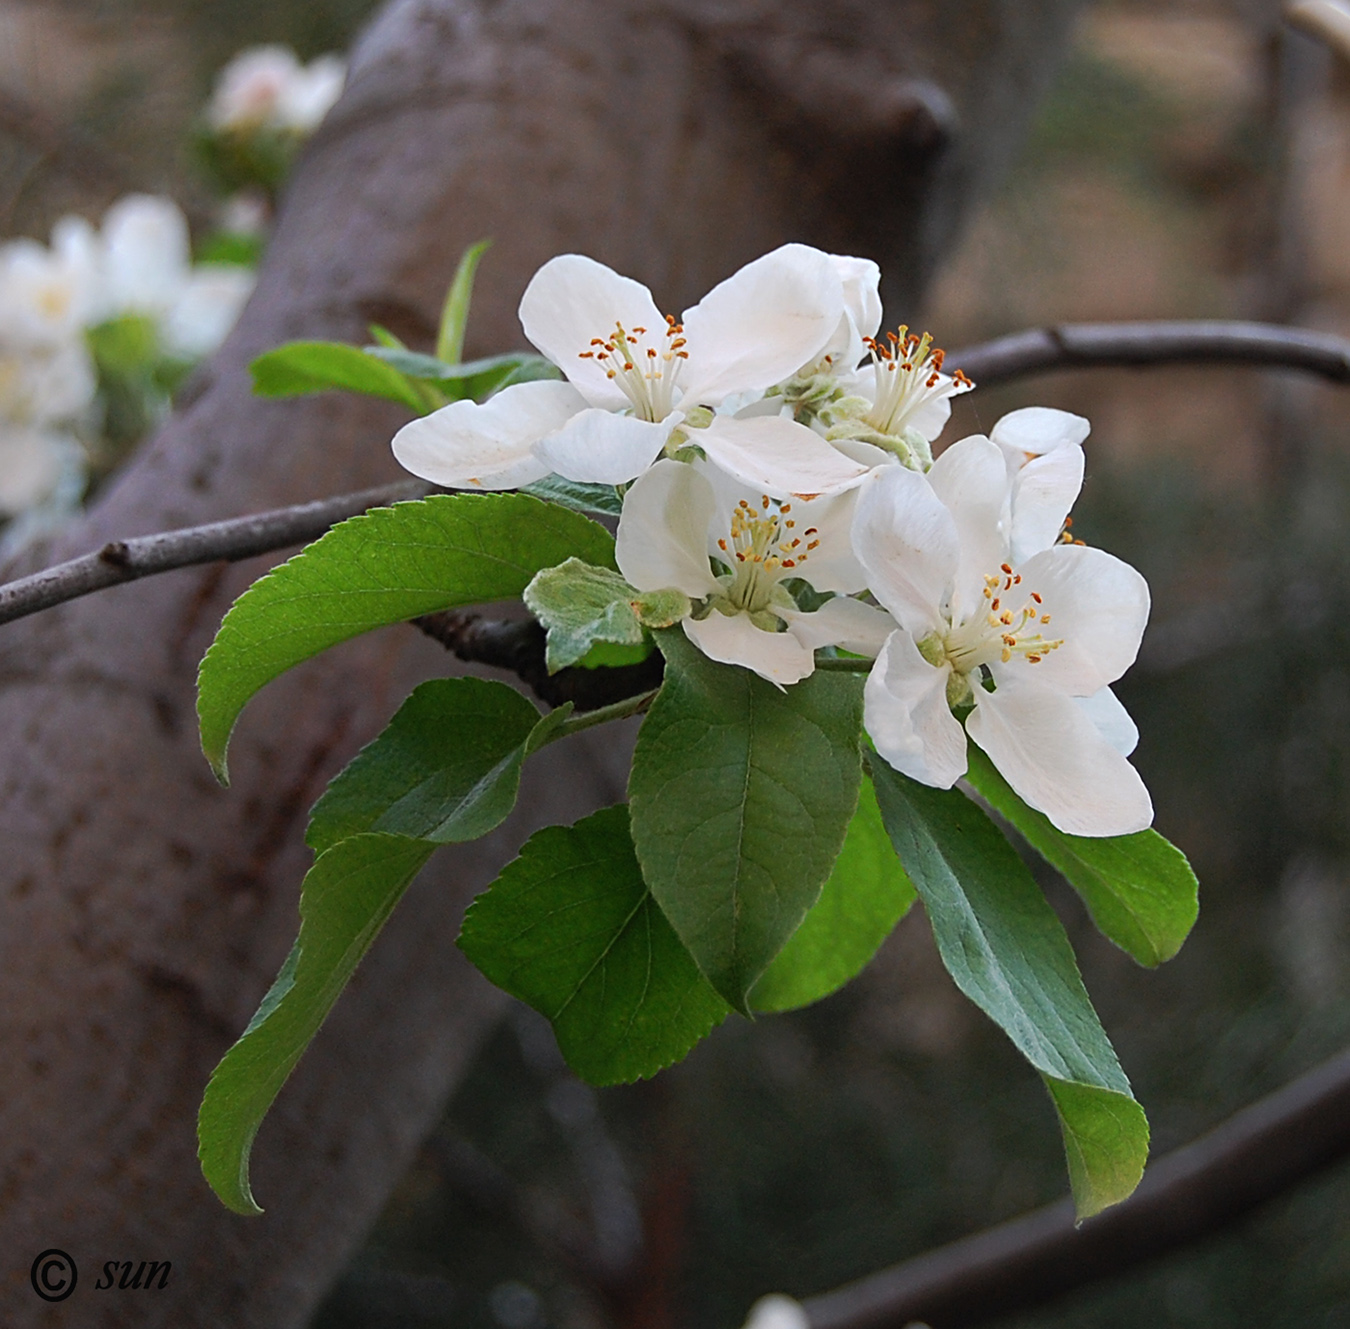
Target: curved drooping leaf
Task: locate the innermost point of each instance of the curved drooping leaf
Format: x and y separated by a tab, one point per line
866	895
741	793
1139	888
1007	951
386	566
346	898
447	767
301	367
475	379
570	928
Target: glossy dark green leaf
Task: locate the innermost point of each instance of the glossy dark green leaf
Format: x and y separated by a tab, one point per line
447	768
1007	951
1139	888
571	928
595	500
741	794
386	566
866	895
302	367
346	898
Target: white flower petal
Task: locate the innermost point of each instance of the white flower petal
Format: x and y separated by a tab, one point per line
734	639
1039	429
573	299
971	479
468	446
762	324
861	281
906	540
148	253
599	447
776	456
1111	719
1049	750
1098	607
856	627
906	713
663	531
1043	491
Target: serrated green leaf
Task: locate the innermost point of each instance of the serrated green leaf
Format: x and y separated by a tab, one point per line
301	367
581	605
446	769
455	311
346	898
571	928
595	500
866	895
386	566
741	794
1006	950
1139	888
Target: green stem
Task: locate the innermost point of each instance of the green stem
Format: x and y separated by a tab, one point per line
618	710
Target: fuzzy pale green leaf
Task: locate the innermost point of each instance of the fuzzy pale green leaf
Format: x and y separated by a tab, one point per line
582	605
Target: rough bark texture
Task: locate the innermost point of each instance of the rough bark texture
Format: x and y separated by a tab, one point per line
144	909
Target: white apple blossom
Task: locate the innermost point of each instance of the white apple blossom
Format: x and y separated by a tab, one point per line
146	269
267	88
997	620
677	517
899	404
641	383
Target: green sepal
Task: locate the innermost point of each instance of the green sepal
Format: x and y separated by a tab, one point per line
1139	888
1007	951
866	895
581	605
741	793
385	566
571	929
447	767
346	897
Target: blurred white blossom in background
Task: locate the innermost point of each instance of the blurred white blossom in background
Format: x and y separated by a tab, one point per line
267	88
121	308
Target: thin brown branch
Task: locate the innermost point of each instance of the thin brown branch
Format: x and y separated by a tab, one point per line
1068	346
1154	345
241	537
1257	1154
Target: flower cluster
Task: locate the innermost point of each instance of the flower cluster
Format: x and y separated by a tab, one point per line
773	451
128	289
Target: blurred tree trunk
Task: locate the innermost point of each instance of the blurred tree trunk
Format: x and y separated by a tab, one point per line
145	910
